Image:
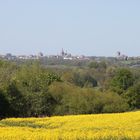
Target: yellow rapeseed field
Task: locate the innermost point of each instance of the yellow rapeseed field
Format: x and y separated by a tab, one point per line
123	126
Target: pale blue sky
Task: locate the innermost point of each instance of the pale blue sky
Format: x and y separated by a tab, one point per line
90	27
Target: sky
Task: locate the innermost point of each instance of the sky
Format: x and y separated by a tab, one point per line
88	27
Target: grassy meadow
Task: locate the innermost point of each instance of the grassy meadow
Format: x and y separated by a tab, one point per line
121	126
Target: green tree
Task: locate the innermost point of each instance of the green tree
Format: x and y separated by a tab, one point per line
15	100
93	64
133	96
33	82
114	103
81	78
122	80
4	106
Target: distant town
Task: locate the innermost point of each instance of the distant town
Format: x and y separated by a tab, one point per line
65	56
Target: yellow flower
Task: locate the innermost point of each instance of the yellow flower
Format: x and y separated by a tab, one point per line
86	127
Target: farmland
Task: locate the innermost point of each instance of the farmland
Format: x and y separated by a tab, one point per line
120	126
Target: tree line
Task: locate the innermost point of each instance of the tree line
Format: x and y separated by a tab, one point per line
32	90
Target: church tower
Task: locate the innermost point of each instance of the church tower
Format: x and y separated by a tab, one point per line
62	52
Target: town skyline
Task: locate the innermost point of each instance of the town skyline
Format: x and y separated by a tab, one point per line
58	52
63	51
97	28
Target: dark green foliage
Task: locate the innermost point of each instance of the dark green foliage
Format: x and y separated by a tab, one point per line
93	64
133	96
15	99
4	106
115	103
32	90
122	80
80	78
98	65
74	100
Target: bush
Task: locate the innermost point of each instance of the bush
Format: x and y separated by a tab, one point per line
114	104
133	96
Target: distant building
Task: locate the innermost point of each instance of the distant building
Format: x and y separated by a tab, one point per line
65	55
62	53
121	56
40	54
9	56
118	54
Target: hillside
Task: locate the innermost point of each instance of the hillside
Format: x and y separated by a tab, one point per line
124	126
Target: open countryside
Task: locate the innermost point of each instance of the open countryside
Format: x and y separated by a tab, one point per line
70	70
